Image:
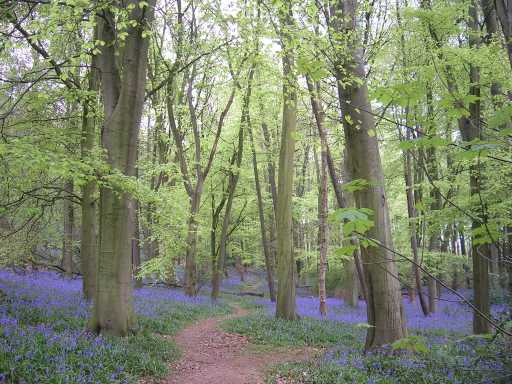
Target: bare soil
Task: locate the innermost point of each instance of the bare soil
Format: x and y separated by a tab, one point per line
213	356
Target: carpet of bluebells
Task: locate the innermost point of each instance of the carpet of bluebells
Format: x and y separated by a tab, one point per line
43	339
43	318
438	350
452	314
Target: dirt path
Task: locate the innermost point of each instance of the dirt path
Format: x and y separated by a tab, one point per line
212	356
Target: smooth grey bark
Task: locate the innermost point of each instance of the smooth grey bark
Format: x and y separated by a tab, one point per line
323	229
88	227
270	164
68	229
271	175
352	294
269	264
136	261
384	301
286	305
123	99
470	131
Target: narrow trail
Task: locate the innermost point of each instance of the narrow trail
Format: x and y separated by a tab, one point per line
213	356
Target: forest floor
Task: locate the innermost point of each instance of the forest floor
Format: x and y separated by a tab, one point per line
237	340
218	357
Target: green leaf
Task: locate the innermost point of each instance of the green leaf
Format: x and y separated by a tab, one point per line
355	185
346	251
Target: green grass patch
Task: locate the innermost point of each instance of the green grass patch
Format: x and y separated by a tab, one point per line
263	329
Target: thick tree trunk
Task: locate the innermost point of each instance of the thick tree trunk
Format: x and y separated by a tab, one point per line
285	307
472	130
350	284
67	240
88	227
123	97
319	114
384	301
350	288
269	265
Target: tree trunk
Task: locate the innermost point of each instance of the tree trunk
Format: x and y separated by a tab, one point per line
123	98
285	307
269	265
319	114
192	236
232	183
270	165
472	130
322	230
67	241
504	13
432	294
136	245
384	301
455	271
88	227
411	211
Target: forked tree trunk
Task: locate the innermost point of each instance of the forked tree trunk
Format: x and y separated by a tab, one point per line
67	240
384	301
285	307
232	183
123	98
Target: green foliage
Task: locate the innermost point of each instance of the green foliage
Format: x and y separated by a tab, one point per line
412	344
355	221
